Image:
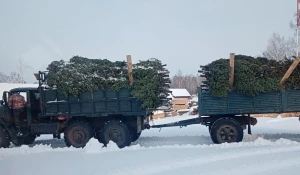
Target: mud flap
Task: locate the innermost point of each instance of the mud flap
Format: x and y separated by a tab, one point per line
139	124
249	125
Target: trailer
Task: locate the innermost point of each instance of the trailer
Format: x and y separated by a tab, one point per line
227	117
103	114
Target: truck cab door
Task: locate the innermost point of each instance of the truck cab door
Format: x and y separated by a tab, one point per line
28	108
6	115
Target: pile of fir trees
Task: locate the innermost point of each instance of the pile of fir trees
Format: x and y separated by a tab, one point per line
151	78
251	76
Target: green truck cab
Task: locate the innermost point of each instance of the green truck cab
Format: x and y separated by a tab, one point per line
103	114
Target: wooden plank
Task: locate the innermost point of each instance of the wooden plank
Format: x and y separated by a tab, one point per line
180	101
129	64
231	78
156	116
290	70
179	107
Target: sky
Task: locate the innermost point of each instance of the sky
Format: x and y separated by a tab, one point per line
183	34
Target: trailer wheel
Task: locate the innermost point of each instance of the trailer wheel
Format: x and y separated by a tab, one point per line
4	139
226	130
77	134
115	131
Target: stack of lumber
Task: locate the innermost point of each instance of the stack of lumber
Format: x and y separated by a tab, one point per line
180	104
158	114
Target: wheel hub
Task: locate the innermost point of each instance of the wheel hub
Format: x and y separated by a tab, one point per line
227	133
78	136
115	135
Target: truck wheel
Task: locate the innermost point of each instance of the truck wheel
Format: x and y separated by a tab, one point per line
134	135
115	131
4	139
77	134
16	141
226	130
29	140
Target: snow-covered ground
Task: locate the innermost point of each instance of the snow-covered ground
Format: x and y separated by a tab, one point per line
274	148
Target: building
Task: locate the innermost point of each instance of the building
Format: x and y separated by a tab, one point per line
180	93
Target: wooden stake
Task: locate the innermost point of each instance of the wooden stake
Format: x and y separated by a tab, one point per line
129	64
290	70
231	78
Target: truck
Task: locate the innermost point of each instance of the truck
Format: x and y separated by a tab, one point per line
101	114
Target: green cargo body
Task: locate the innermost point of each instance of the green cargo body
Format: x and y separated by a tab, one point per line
237	103
99	103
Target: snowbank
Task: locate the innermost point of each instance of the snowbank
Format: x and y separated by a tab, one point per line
272	149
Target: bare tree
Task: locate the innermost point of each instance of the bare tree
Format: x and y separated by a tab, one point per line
3	78
279	47
188	82
12	78
293	25
21	68
177	80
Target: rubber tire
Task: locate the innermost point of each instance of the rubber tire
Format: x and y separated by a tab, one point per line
17	142
103	136
29	140
226	121
4	139
75	126
134	135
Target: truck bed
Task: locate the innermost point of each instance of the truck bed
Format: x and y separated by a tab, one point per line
237	103
99	103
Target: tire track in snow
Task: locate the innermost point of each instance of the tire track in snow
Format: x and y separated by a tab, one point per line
162	166
266	167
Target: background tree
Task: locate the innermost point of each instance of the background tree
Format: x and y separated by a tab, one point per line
189	82
12	78
280	47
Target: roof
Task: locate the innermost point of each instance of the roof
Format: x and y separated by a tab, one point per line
180	93
23	89
11	86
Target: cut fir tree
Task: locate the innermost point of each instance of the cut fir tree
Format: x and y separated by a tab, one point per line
251	76
151	78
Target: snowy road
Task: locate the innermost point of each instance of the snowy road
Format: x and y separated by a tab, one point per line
273	149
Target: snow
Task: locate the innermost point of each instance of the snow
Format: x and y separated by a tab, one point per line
158	112
180	93
274	148
194	98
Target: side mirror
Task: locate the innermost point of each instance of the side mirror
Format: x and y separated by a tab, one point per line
4	97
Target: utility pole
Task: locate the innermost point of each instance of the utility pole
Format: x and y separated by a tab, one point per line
298	25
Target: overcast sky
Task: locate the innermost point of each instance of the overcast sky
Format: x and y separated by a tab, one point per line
182	33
